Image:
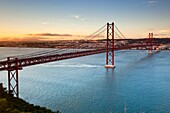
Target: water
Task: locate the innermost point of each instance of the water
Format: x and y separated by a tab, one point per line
83	85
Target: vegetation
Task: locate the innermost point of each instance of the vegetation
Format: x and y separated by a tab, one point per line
9	104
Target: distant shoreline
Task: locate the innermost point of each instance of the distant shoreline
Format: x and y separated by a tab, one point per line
75	44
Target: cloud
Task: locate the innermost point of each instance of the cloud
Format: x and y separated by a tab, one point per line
28	39
83	19
25	39
152	2
161	34
50	34
77	17
164	31
45	23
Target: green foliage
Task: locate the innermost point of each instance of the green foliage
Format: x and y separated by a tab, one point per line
10	104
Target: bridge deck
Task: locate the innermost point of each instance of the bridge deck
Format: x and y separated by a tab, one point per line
23	62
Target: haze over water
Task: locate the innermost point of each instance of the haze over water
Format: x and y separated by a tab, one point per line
83	85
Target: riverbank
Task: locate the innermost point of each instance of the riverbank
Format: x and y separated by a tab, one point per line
9	104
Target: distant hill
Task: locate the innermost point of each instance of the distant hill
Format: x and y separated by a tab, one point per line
158	40
74	43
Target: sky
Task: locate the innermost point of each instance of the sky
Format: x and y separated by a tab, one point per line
69	19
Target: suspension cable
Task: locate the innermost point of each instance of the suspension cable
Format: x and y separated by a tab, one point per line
120	32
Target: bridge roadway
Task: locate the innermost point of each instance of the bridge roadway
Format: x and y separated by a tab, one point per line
23	62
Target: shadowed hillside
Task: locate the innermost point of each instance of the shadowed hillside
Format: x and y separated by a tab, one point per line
9	104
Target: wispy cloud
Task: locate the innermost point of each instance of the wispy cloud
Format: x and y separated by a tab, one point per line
77	17
45	23
25	39
163	33
83	19
152	2
50	34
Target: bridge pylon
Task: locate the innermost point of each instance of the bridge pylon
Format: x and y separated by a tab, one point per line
110	46
13	82
150	43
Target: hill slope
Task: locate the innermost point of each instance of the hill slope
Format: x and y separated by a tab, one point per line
9	104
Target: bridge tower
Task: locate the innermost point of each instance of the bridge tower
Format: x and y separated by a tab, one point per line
110	46
13	85
150	45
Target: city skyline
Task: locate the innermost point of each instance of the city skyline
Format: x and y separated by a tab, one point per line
74	19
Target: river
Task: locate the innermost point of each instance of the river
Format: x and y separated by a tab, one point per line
83	85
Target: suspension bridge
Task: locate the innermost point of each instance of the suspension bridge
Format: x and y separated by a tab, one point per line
13	64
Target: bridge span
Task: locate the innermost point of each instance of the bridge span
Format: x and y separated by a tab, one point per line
14	64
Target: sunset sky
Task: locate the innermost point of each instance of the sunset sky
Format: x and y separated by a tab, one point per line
68	19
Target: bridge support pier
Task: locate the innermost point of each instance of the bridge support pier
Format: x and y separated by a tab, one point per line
13	82
110	46
150	45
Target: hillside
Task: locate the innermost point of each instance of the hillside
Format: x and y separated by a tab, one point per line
9	104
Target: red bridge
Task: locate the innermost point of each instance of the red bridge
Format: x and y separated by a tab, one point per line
14	64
